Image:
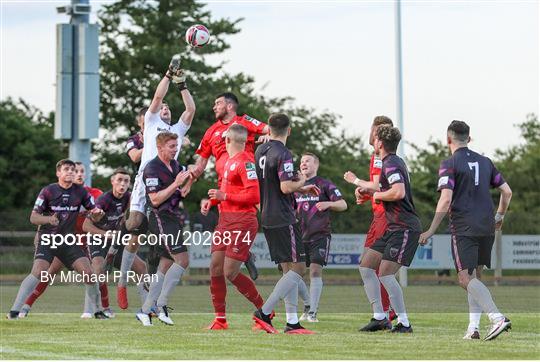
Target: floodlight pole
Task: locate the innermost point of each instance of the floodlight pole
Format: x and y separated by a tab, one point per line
79	149
77	83
399	104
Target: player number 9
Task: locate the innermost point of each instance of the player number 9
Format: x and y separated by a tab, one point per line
262	162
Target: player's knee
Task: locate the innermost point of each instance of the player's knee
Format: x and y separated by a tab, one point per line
139	266
38	267
89	276
231	274
370	261
315	271
133	245
216	269
134	221
299	268
464	279
98	266
184	263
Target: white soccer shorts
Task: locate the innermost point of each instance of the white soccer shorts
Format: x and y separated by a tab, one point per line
138	196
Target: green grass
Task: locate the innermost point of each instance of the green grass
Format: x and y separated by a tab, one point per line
439	316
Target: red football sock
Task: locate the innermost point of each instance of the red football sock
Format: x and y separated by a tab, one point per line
218	290
248	289
40	288
385	299
104	295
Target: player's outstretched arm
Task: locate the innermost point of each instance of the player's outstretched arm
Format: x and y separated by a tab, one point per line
443	205
189	113
159	95
199	167
504	202
368	186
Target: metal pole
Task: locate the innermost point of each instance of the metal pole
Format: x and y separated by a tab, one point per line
399	104
79	149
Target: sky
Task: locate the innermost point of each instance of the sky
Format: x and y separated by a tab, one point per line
475	61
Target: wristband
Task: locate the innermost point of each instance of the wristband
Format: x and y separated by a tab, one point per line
357	182
499	217
181	86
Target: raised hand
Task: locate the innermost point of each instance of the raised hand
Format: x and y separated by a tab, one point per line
179	78
174	65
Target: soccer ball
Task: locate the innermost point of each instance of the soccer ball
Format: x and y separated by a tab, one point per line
197	35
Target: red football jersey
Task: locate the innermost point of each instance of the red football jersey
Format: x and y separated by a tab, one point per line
95	193
240	184
375	167
213	141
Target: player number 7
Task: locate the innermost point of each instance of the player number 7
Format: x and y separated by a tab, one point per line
476	167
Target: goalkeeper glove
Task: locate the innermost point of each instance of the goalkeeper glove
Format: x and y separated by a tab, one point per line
174	66
179	78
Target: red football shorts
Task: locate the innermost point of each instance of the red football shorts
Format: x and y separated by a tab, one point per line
376	229
235	234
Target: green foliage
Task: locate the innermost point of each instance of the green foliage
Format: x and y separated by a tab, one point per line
28	155
424	170
520	167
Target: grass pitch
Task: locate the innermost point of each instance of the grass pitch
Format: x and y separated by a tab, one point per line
438	314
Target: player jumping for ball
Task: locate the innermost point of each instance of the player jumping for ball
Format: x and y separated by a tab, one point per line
213	144
465	180
156	120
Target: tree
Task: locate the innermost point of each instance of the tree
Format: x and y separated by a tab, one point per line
28	155
520	165
138	39
424	170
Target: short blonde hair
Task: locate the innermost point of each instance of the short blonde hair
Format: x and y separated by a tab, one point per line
165	137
